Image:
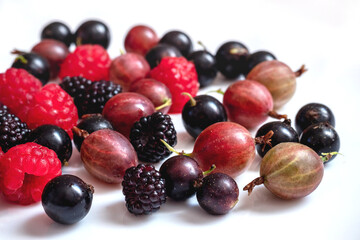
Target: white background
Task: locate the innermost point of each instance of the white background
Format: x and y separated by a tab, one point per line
322	34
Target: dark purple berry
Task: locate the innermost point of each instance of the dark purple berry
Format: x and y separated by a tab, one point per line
145	136
181	174
92	32
313	113
218	193
180	40
205	65
58	31
200	112
231	59
161	50
256	58
144	189
67	199
322	138
55	138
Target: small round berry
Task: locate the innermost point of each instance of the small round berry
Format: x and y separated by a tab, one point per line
92	32
67	199
58	31
180	40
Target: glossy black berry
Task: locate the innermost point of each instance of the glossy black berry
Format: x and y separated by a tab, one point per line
67	199
34	64
93	32
155	54
313	113
205	65
231	59
200	112
87	125
322	138
181	174
95	97
55	138
145	136
144	189
283	132
218	193
58	31
12	131
256	58
180	40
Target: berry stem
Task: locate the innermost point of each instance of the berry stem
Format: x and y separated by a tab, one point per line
301	70
167	102
202	45
80	132
207	172
326	156
217	91
266	140
192	100
171	149
17	52
250	186
276	115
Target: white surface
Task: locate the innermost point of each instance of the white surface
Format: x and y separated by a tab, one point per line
321	34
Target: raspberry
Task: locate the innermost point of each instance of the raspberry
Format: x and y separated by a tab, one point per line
95	96
89	61
12	131
179	75
24	171
52	105
146	133
17	89
144	189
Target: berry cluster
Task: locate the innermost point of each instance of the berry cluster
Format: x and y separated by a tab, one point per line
45	91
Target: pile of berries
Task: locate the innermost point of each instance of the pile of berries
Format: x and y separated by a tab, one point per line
115	111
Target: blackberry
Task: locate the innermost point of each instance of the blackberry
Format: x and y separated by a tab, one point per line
3	109
95	96
146	133
75	86
144	189
12	131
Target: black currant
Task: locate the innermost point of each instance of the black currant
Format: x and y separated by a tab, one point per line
58	31
34	64
180	173
256	58
312	113
283	132
231	59
67	199
200	112
92	32
218	193
180	40
205	64
55	138
322	138
87	125
155	54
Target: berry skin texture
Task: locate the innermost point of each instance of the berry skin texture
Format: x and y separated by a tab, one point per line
146	133
17	90
67	199
89	61
179	75
24	171
12	131
52	105
144	189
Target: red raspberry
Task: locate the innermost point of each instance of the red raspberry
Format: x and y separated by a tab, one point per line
179	75
89	61
24	171
17	89
52	105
